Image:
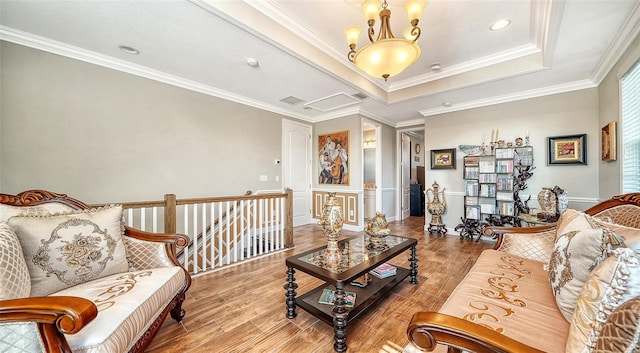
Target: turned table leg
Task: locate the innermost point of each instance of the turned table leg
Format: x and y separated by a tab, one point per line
340	320
290	287
413	260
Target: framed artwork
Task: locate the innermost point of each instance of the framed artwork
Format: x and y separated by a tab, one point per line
570	149
333	158
443	159
608	137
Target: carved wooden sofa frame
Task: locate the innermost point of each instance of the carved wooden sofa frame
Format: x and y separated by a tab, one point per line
60	315
428	329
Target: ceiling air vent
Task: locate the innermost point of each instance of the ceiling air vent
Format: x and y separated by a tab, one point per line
336	101
292	100
360	95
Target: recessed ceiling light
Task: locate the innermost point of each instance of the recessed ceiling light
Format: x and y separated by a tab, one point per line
447	104
253	62
500	24
436	67
129	50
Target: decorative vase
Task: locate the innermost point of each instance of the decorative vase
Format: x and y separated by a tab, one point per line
378	227
436	207
332	218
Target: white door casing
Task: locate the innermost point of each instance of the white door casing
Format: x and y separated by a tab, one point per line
405	172
296	161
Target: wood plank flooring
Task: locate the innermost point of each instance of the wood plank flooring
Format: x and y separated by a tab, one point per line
242	308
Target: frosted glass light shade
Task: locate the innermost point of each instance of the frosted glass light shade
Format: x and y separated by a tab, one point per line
352	33
370	9
414	9
387	57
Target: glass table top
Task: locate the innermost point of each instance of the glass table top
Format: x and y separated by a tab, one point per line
351	252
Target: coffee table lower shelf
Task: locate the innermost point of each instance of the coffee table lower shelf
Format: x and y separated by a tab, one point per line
365	297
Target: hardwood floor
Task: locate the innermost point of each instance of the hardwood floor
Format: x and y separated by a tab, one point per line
242	309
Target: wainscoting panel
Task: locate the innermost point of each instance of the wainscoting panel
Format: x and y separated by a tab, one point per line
348	201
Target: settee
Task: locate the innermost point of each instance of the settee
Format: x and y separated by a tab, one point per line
75	279
571	286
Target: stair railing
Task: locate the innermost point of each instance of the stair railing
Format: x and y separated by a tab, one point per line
222	230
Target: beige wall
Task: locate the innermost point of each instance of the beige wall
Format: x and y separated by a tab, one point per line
555	115
105	136
609	110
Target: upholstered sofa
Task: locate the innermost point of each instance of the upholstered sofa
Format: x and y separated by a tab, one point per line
76	279
572	286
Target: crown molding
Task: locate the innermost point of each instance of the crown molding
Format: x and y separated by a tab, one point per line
620	44
534	93
36	42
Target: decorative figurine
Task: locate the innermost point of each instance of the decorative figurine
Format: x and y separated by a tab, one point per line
377	226
436	209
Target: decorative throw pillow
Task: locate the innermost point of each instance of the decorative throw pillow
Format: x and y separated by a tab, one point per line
580	245
46	209
14	275
68	249
614	282
631	235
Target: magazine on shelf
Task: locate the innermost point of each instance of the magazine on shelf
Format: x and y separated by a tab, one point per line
383	271
328	297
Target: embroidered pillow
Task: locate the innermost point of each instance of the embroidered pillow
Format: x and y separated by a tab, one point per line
580	245
46	209
614	282
631	235
68	249
14	275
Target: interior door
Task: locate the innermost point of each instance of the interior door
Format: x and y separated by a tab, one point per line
297	168
405	174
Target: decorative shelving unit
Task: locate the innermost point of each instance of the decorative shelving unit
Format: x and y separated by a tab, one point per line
492	186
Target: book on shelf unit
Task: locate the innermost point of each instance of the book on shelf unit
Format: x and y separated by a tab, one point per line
328	297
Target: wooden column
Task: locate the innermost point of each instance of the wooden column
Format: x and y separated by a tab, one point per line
288	230
169	213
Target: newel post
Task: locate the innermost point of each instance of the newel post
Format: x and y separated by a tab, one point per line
169	213
288	230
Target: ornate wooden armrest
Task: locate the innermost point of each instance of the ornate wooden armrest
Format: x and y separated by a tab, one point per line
68	314
179	240
430	328
54	316
499	232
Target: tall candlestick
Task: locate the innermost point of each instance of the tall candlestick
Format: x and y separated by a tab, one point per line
496	134
491	136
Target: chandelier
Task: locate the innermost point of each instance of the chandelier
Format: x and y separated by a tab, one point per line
386	56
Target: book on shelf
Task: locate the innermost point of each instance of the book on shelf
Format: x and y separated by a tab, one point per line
328	297
471	160
487	190
385	270
487	177
471	188
506	208
504	166
471	201
471	172
487	164
472	212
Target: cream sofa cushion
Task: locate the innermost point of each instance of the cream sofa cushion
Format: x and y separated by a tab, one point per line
510	295
612	283
580	245
14	274
127	304
69	249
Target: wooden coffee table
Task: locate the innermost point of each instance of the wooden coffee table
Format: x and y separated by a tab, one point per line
358	255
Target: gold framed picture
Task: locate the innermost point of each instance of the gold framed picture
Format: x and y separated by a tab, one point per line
566	150
608	139
443	159
333	158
